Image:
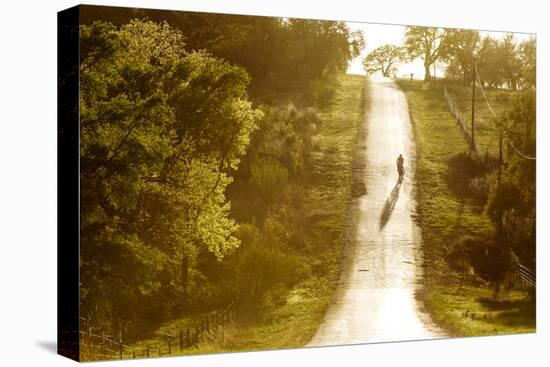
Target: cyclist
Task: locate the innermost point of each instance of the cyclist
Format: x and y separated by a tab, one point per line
400	166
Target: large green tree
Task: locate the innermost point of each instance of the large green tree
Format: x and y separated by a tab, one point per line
160	130
384	59
507	63
459	49
426	43
528	59
489	68
510	61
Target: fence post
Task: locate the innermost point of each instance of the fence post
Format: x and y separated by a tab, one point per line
181	340
169	347
134	354
102	342
148	354
120	338
188	338
473	142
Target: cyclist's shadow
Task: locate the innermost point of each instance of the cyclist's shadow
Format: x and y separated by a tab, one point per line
390	203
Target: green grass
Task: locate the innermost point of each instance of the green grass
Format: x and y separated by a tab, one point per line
444	217
294	322
485	124
472	311
289	326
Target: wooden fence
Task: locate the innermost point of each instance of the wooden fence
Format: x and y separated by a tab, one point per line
101	346
461	120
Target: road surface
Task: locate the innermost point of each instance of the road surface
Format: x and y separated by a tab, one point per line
375	300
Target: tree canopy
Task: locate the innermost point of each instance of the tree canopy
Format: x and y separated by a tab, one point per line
384	59
458	50
283	56
500	62
160	129
426	43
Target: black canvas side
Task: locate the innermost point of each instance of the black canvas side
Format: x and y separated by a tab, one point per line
68	238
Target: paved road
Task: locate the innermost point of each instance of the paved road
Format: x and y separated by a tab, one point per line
375	300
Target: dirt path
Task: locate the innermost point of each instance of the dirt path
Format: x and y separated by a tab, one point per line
375	300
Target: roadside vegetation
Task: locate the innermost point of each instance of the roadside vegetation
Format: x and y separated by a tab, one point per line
215	170
290	317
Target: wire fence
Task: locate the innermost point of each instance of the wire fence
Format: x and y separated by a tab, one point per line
507	139
526	276
101	346
461	120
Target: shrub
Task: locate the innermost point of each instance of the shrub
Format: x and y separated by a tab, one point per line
479	187
323	92
503	199
469	164
490	260
471	174
263	270
268	177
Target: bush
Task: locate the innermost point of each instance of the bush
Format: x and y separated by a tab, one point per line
479	187
264	270
503	199
323	92
502	97
470	164
287	135
268	177
491	261
471	174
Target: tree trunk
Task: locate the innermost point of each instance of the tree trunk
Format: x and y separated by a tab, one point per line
185	274
427	75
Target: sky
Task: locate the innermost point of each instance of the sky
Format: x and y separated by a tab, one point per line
377	35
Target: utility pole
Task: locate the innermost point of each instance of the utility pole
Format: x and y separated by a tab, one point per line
499	179
473	141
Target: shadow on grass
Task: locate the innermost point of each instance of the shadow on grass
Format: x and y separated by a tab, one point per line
513	313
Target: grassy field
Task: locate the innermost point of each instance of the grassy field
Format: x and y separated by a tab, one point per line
444	217
293	323
471	310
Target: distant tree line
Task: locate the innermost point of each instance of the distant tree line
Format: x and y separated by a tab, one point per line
282	56
500	62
